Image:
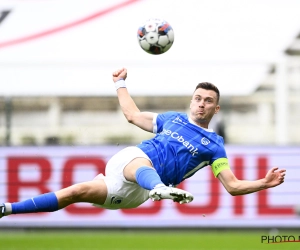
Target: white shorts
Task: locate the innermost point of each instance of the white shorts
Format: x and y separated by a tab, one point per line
120	192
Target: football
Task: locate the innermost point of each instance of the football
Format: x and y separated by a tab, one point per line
155	36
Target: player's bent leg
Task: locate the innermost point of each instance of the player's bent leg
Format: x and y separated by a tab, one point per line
94	191
140	171
175	194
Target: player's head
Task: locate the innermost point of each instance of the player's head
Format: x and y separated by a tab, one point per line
204	103
209	86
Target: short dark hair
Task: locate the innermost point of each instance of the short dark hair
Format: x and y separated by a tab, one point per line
209	86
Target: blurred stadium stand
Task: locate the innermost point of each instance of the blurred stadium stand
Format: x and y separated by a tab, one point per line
92	120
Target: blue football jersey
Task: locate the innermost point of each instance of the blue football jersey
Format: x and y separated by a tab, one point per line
181	148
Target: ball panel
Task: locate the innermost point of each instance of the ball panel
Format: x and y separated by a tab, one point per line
141	32
152	37
168	46
164	28
150	26
171	36
163	41
155	50
145	45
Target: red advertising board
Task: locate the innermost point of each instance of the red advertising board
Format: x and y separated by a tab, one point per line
29	171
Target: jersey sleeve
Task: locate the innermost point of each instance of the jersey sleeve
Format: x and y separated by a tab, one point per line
154	122
219	161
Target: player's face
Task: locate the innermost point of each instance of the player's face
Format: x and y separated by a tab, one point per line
203	106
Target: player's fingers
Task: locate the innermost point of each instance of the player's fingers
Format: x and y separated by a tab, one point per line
281	178
117	72
123	72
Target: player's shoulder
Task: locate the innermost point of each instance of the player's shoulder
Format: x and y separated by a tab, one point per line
220	140
174	114
215	138
171	112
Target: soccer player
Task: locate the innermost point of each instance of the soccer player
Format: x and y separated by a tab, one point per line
183	144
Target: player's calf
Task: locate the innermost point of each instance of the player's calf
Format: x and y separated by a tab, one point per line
42	203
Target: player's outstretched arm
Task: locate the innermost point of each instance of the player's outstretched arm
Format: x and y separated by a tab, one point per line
234	186
130	110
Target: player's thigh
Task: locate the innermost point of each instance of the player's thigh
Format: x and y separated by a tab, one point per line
131	168
94	191
125	163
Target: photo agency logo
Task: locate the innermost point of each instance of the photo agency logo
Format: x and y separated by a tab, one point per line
276	239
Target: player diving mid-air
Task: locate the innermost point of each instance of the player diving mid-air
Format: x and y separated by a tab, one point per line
182	145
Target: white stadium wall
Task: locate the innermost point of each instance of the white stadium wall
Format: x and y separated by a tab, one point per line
76	52
29	171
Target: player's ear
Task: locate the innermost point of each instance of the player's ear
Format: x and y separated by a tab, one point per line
217	109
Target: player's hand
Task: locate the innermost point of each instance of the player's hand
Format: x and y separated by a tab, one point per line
275	177
119	74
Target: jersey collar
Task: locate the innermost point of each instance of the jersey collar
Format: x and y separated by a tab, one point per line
206	129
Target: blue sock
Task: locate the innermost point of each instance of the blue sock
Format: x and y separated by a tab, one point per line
147	178
42	203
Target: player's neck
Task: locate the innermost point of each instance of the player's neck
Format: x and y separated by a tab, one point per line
203	127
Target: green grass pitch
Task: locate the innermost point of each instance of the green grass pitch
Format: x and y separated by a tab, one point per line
138	240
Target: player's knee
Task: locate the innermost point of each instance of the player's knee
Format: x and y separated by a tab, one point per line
130	169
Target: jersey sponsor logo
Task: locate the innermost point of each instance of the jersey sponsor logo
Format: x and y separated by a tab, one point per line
192	149
179	121
205	141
